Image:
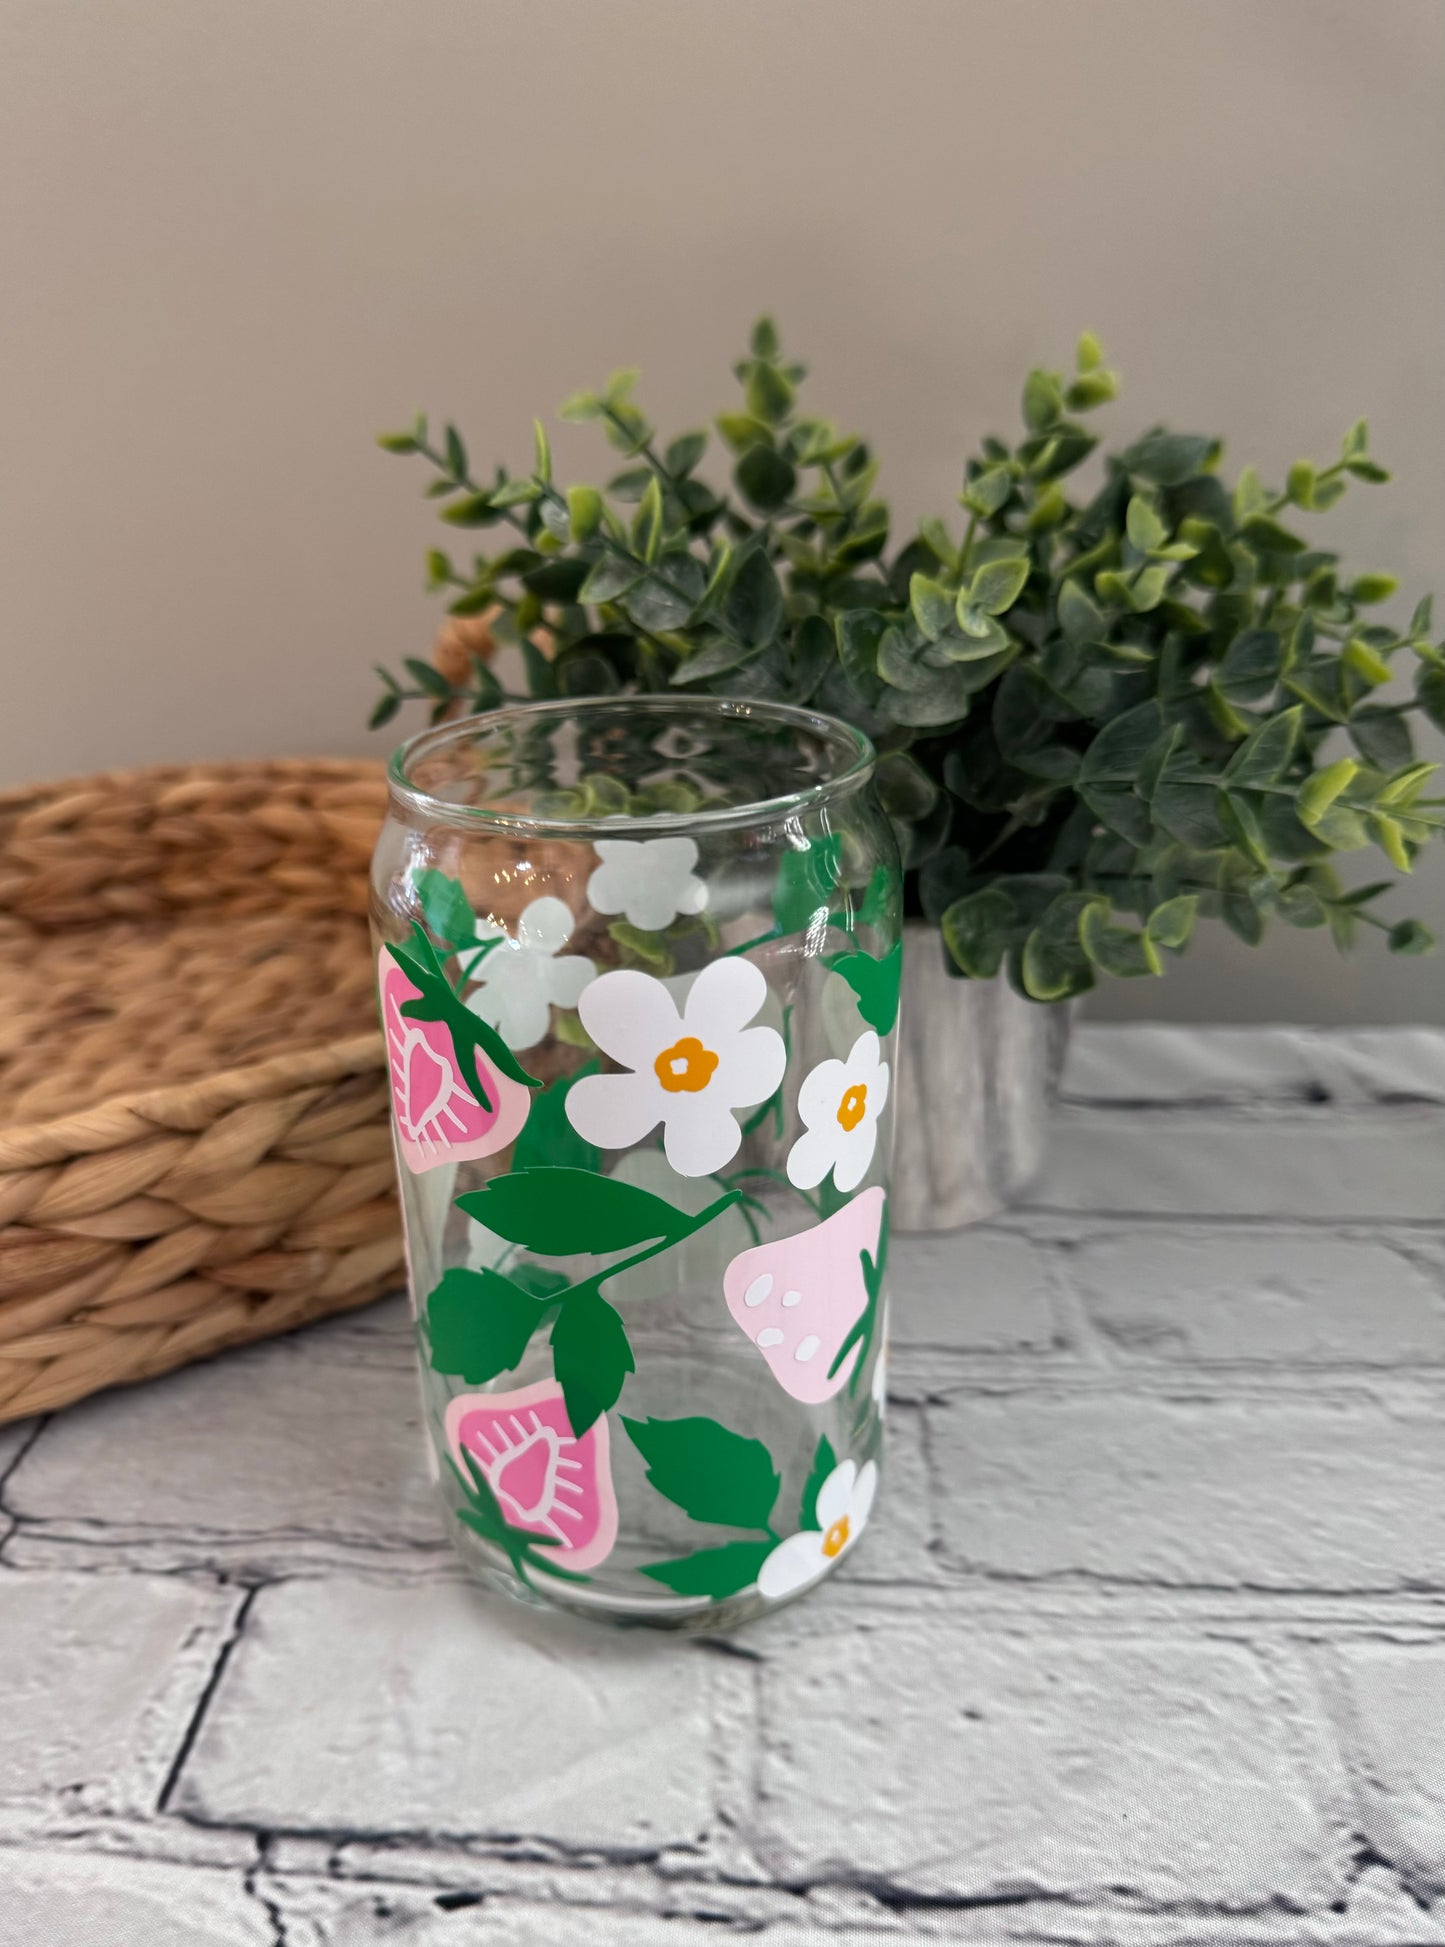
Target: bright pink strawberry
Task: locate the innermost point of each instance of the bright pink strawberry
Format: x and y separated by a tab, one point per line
798	1297
438	1116
546	1480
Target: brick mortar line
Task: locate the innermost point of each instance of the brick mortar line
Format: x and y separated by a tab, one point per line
1070	1596
207	1694
653	1885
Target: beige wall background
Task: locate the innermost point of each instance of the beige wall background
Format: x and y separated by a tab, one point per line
237	236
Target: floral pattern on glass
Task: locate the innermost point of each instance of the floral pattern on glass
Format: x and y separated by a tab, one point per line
689	1071
840	1103
441	1116
845	1500
522	977
797	1298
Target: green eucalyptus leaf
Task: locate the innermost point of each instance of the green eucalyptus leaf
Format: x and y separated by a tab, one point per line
584	512
768	393
1319	792
1251	666
1365	589
1117	754
978	931
754	606
1145	529
1171	923
684	452
933	606
1410	936
1116	950
610	577
765	478
1168	459
1265	754
1080	617
987	493
997	585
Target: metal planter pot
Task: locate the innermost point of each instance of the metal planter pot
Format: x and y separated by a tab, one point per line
978	1077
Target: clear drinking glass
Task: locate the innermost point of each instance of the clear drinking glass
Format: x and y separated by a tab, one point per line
638	962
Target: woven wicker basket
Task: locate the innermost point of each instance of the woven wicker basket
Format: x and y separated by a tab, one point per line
194	1147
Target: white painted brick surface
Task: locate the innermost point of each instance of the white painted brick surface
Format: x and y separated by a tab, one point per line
1396	1724
904	1751
976	1292
295	1438
1371	1163
1220	1297
99	1675
46	1901
1152	1062
1146	1644
897	1545
431	1709
1329	1493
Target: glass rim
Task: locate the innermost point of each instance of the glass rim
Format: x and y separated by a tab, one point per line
855	750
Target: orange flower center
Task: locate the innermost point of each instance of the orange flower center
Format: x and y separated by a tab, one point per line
836	1539
853	1105
686	1067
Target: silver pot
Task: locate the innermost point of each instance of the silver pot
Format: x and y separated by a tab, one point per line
978	1077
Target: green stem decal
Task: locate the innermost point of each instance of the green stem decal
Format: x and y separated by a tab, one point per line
866	1325
480	1323
436	1001
483	1515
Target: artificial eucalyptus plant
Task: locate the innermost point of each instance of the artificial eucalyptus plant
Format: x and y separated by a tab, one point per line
1098	717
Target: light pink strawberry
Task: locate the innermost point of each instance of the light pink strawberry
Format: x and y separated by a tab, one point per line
547	1481
438	1116
798	1297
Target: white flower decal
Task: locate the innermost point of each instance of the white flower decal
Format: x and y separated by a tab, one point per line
845	1501
840	1102
520	981
688	1071
650	881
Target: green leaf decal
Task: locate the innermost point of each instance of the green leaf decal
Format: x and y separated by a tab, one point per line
548	1138
591	1356
479	1324
560	1212
805	882
824	1461
713	1571
446	908
876	983
709	1472
436	1002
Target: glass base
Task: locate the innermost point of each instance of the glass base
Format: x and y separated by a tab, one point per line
678	1615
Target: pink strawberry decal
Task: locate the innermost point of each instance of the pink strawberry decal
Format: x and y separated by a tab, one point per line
798	1298
439	1115
546	1481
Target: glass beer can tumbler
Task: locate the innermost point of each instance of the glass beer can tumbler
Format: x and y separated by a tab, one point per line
638	964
